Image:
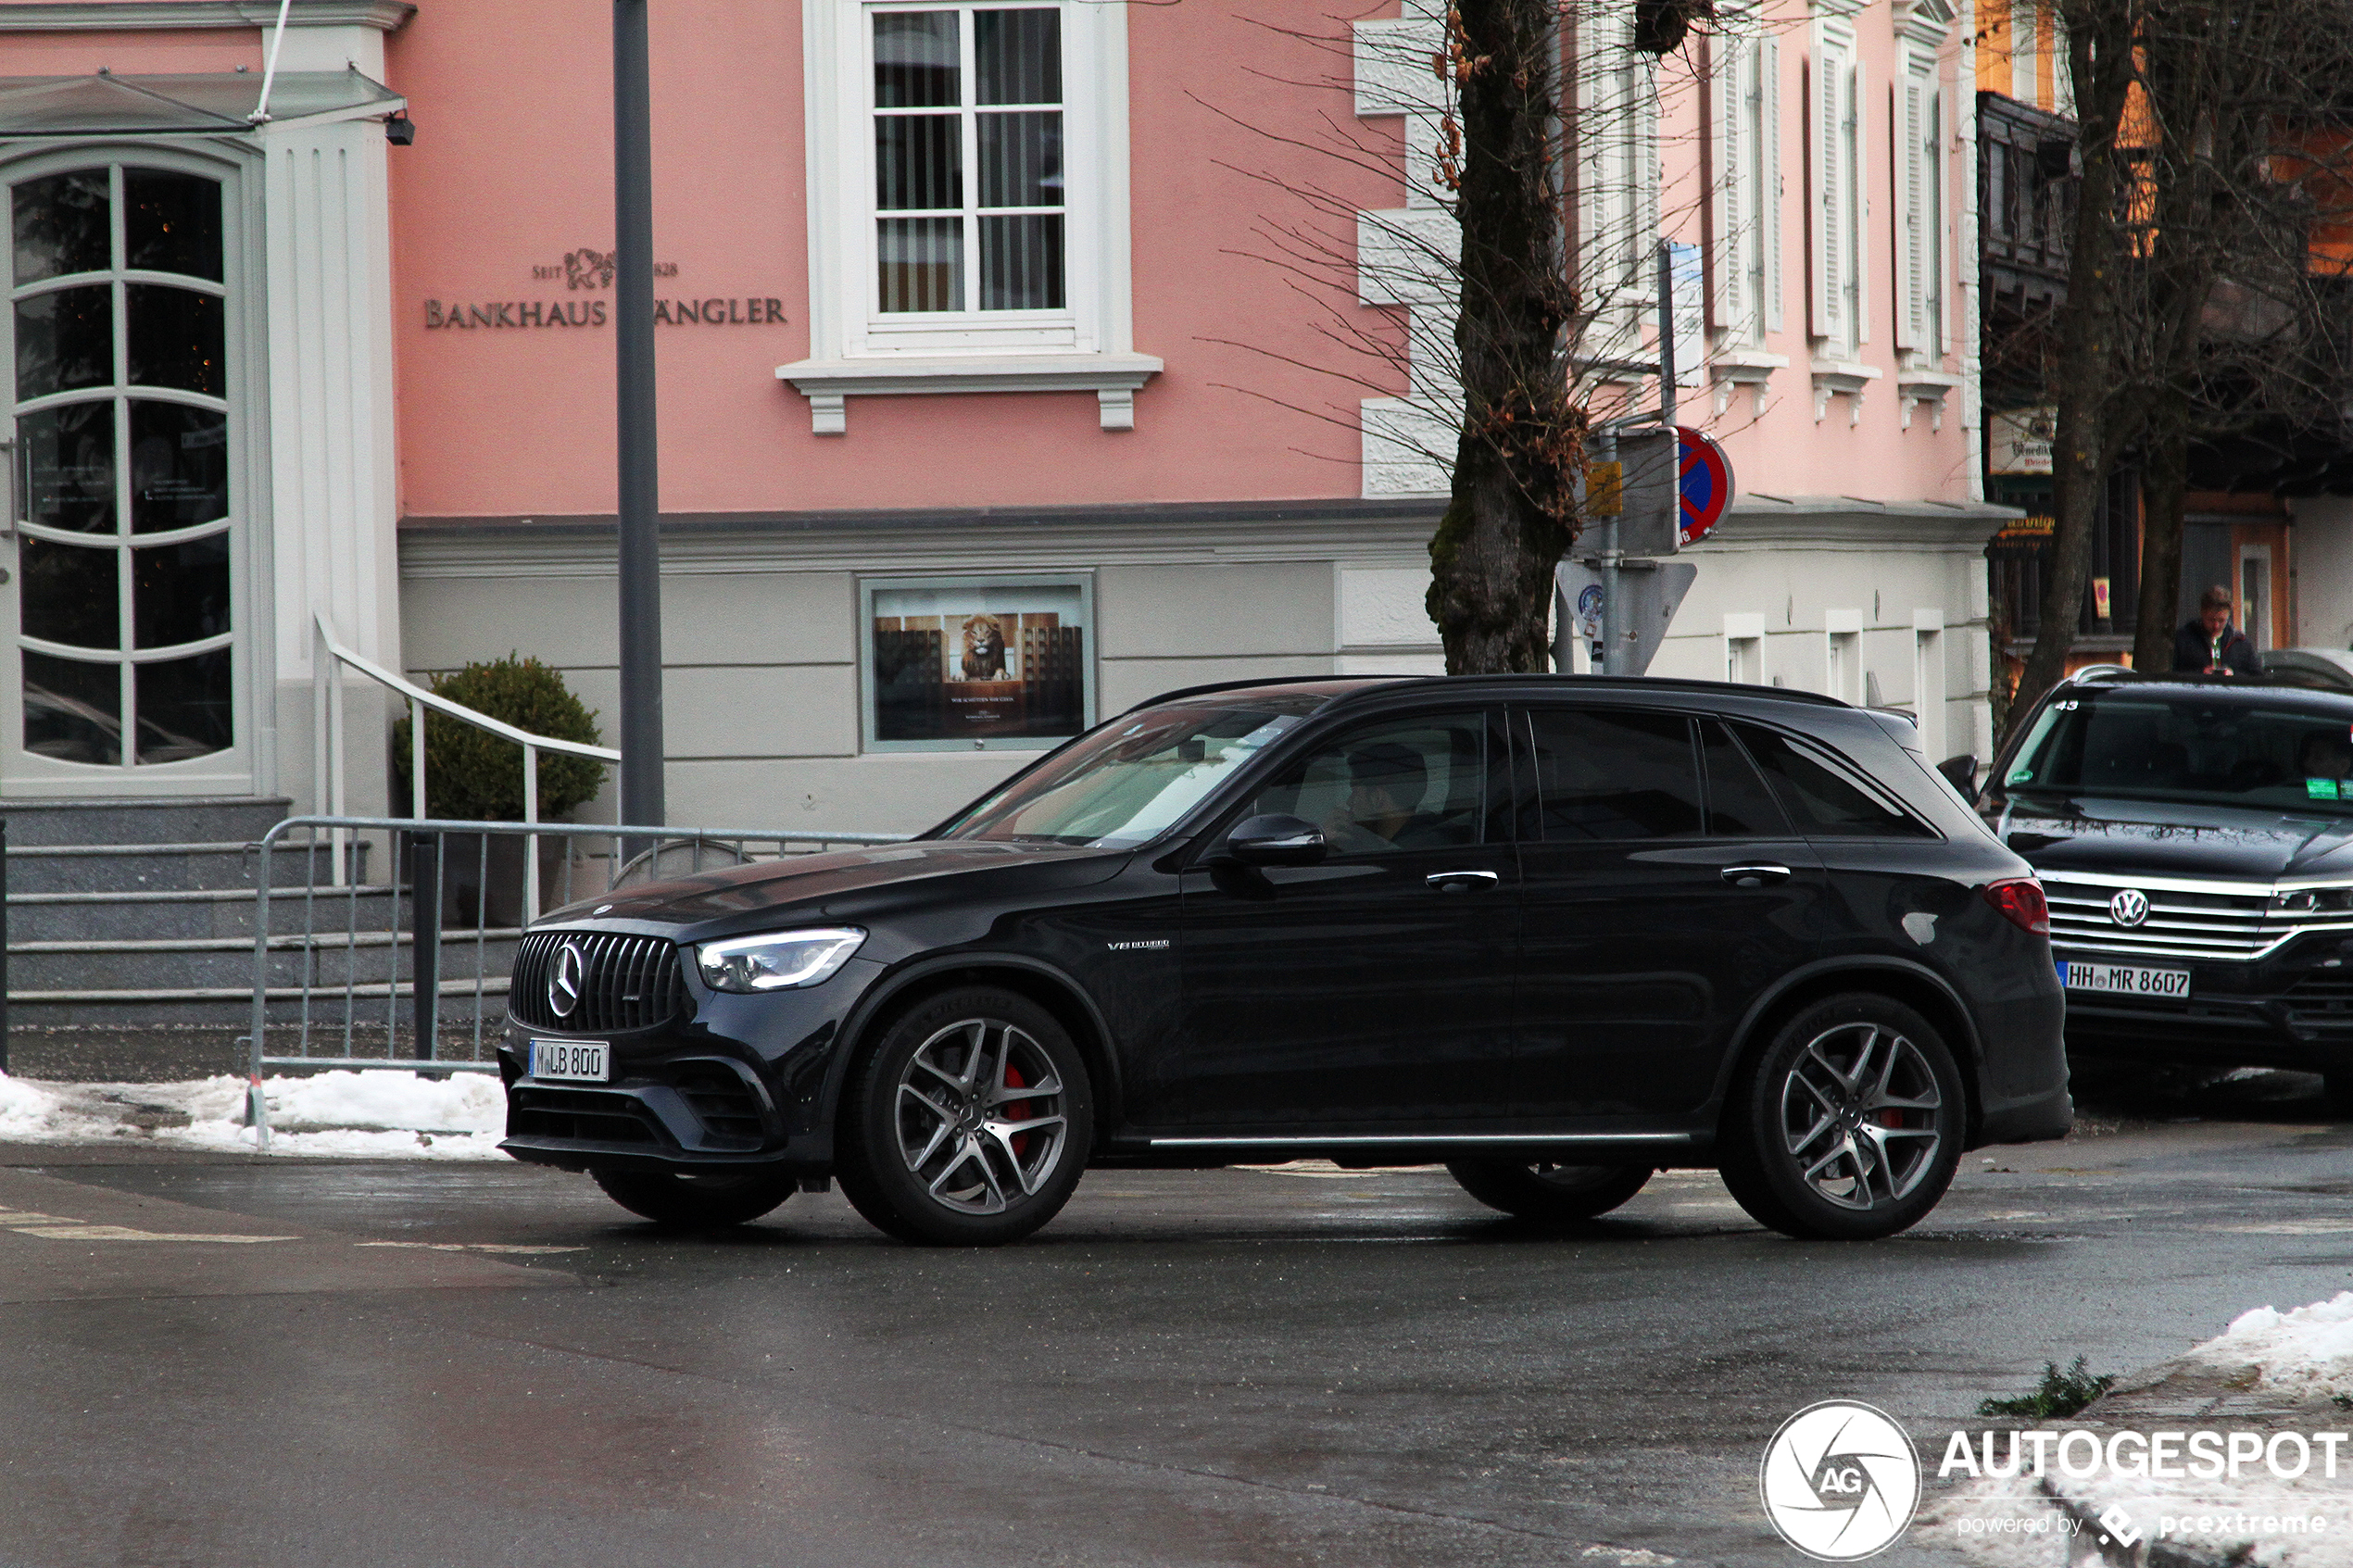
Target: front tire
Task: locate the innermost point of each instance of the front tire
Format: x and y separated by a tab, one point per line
696	1202
968	1124
1547	1193
1848	1125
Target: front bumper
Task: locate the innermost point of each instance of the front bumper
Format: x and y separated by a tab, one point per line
2292	1009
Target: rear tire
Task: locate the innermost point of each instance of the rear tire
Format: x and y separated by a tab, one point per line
1547	1193
1848	1125
968	1124
696	1202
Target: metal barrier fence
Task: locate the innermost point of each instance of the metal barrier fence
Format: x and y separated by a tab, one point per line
402	969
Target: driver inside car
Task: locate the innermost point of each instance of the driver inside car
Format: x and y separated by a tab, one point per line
1387	782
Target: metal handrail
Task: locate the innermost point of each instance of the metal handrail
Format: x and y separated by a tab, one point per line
425	938
328	751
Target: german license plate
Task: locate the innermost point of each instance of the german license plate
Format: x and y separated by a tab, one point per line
579	1061
2128	980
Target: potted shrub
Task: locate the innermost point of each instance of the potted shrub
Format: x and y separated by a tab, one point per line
471	776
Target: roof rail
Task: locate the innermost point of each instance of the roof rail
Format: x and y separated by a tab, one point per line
1360	685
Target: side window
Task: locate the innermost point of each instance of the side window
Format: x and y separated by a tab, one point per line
1739	803
1401	784
1821	796
1603	774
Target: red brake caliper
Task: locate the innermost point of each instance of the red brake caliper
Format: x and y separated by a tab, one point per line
1017	1111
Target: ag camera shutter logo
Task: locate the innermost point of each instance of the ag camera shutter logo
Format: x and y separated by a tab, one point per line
1840	1481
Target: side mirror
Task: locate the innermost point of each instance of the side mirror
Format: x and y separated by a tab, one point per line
1961	774
1277	841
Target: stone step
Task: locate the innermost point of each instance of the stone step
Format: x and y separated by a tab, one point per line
138	867
191	914
58	968
210	817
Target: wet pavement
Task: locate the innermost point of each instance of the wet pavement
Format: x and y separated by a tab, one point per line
490	1364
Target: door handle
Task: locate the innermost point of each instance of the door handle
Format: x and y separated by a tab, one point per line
1461	882
1759	875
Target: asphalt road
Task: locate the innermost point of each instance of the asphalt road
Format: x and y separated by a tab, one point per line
1248	1367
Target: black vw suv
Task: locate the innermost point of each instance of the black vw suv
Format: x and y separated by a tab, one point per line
1553	933
2195	838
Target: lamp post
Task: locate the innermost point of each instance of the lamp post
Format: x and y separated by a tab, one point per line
640	490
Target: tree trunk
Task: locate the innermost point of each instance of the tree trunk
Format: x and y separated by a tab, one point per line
2164	478
2084	381
1521	446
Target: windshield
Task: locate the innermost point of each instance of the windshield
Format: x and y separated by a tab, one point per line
1134	777
2117	744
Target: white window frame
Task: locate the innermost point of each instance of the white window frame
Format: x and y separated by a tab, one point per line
2026	45
1838	281
1745	649
1919	178
854	349
1747	298
1928	680
1617	187
1842	655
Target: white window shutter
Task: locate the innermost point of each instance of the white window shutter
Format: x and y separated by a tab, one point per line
1768	190
1825	228
1933	160
1727	258
1911	218
1856	196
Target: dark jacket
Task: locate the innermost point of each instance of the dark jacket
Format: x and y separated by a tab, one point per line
2193	651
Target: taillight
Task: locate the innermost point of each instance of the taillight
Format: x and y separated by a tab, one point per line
2021	903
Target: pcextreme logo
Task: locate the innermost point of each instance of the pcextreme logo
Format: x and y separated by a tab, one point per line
1840	1481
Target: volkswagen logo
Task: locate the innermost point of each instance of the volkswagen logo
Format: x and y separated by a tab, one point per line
571	975
2129	906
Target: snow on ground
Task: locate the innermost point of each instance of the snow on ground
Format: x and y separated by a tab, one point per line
379	1114
2306	1354
2308	1351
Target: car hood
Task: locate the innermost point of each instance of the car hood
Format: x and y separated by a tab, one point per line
2115	837
839	885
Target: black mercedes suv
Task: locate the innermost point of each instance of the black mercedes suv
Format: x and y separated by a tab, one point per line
1551	933
2196	838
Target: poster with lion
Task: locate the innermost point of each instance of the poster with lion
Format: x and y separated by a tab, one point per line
998	662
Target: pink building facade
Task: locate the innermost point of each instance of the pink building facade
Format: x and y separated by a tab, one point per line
1013	363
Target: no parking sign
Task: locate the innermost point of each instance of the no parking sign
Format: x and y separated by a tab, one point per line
1706	485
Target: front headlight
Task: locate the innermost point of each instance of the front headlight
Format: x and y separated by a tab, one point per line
777	963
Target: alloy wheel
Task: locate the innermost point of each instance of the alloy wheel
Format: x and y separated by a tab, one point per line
1861	1116
980	1118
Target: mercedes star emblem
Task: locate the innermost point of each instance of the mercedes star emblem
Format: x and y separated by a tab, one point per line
2129	906
563	989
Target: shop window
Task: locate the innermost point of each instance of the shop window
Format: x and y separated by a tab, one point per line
968	202
967	664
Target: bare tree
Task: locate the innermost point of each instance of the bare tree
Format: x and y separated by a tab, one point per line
2192	312
1523	262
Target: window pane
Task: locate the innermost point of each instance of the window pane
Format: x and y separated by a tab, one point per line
1021	263
1415	784
1819	795
61	225
922	262
1018	56
69	466
919	161
1020	159
171	222
67	594
915	60
175	339
1601	776
180	593
183	706
64	340
178	465
1739	804
72	710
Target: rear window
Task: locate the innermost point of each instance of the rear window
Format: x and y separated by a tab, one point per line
1822	794
1614	775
